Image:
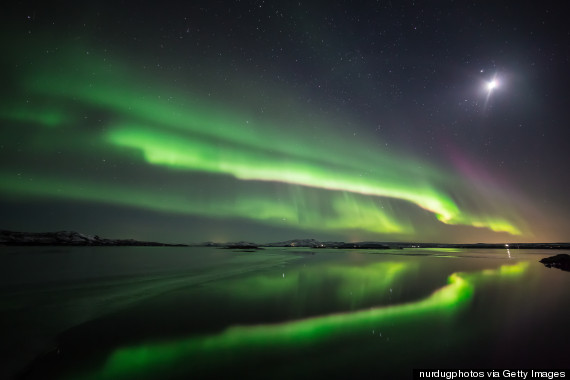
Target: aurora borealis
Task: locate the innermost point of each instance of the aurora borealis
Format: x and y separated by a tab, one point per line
236	343
265	121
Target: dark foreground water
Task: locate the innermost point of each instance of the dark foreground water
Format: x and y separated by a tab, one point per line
178	313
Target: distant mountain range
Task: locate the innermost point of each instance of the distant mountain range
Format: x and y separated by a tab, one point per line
72	238
312	243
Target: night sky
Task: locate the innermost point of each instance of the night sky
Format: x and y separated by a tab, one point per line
441	121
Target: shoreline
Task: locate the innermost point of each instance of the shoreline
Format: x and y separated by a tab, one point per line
73	239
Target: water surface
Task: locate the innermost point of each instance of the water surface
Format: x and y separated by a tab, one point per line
136	313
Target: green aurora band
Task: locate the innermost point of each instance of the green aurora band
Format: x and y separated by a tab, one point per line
349	211
354	284
179	133
149	359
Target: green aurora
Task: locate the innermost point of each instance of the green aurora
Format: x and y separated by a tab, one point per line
86	107
146	360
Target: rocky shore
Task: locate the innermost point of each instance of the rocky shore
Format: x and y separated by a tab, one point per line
561	261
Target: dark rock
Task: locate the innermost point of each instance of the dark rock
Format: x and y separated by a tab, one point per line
241	245
308	243
209	244
561	261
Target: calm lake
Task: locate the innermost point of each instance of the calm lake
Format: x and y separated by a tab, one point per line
178	313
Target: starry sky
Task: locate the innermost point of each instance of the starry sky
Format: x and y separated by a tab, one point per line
435	121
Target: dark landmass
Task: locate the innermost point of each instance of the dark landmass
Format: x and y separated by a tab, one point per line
231	245
208	244
490	246
561	261
309	243
312	243
241	245
70	238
